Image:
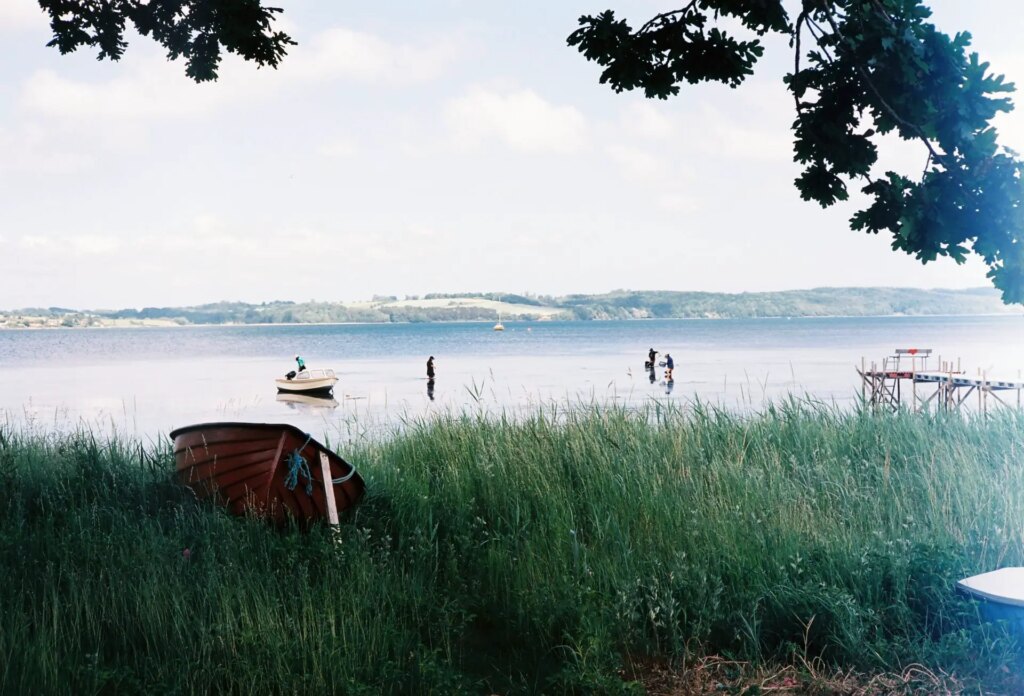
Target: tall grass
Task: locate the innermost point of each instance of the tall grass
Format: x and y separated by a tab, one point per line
535	555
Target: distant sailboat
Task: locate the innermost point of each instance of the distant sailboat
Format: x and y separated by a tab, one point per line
499	326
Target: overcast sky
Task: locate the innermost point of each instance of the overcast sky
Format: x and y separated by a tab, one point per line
413	147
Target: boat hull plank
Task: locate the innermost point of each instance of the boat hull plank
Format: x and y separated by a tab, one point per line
223	468
216	436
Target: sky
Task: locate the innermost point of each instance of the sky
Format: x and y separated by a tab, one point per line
410	147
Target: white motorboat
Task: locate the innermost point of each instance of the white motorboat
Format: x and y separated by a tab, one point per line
308	382
1000	593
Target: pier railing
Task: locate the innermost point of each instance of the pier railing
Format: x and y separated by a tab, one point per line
906	376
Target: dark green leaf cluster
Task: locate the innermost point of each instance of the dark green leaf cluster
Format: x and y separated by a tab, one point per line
197	30
863	69
676	46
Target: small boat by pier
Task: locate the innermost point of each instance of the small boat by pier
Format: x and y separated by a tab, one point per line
271	470
1001	593
308	382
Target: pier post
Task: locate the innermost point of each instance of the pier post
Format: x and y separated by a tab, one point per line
863	381
913	385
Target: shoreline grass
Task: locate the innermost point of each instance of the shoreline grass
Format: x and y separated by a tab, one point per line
547	554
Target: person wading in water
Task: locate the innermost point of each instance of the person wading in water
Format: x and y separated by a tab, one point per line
651	354
430	367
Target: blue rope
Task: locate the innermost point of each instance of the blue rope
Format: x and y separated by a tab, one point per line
297	467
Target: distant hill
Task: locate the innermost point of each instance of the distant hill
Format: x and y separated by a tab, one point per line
818	302
619	304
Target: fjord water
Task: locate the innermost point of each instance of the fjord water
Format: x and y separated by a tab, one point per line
147	381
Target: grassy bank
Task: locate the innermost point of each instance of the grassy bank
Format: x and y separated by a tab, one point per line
549	555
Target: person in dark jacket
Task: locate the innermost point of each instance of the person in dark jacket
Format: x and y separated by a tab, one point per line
651	355
669	366
430	367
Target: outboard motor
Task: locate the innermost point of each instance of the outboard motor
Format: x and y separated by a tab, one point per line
290	375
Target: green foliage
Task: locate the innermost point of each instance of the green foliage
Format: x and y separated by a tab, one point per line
534	556
197	30
508	297
821	302
862	70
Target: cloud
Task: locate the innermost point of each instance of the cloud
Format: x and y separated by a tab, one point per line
213	240
30	148
33	242
339	54
637	163
522	120
678	203
73	245
340	147
150	87
145	89
207	234
21	14
93	244
730	138
1010	125
647	120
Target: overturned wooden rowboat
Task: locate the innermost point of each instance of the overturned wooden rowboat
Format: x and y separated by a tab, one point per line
272	470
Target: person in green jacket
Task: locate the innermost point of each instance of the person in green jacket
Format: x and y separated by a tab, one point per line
301	363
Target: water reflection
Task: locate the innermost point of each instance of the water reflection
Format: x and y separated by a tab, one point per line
306	402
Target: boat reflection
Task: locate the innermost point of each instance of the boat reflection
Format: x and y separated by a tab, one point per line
306	402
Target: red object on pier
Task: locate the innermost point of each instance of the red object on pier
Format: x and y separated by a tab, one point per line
253	468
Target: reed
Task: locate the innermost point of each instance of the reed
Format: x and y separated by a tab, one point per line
537	554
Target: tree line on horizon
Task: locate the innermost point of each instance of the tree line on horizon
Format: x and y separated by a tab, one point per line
618	304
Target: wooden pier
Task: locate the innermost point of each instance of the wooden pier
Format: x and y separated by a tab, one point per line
906	376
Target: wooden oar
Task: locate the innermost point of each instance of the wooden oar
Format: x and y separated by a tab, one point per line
332	505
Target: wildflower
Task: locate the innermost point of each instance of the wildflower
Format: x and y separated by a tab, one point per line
186	554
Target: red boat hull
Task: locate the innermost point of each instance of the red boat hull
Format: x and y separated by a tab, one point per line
246	466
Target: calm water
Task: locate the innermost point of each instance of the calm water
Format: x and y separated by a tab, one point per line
148	381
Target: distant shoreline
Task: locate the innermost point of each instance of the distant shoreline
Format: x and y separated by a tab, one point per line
523	322
818	303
